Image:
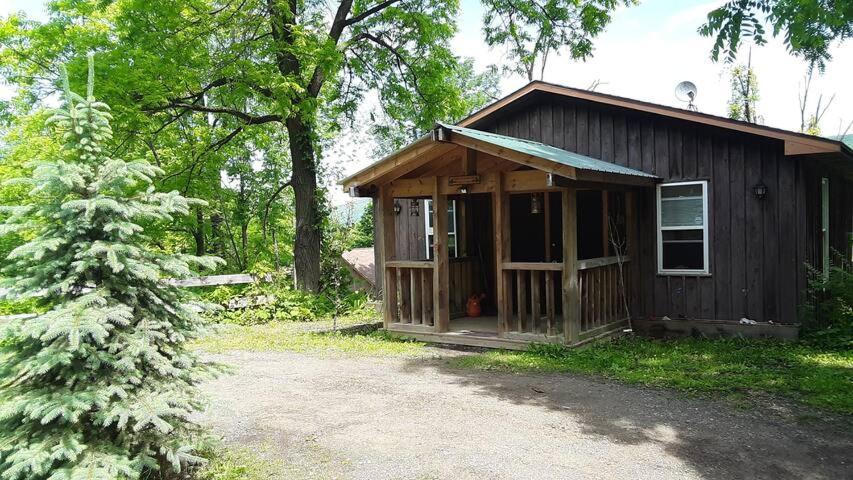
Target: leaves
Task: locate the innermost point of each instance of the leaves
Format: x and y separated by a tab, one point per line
531	30
100	385
808	27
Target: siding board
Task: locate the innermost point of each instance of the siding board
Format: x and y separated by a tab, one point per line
738	217
722	243
771	233
754	238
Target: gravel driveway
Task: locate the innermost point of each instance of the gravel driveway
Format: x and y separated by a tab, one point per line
417	418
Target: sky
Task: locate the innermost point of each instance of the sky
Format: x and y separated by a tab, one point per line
644	53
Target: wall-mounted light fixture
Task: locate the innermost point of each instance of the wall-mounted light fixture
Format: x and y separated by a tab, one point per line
535	203
397	208
759	190
463	190
414	208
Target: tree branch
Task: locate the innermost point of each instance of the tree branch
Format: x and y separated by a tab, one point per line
268	204
370	11
247	118
337	28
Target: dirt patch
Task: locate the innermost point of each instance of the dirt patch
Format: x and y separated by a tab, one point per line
418	418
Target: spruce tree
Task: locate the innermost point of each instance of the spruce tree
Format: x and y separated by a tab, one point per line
102	384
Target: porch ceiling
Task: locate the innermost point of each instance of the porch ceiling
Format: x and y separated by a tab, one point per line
552	160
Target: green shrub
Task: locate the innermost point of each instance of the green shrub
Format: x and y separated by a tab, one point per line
828	313
278	301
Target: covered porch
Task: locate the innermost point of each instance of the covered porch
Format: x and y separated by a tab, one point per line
543	235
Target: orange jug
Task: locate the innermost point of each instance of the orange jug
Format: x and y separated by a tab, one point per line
472	308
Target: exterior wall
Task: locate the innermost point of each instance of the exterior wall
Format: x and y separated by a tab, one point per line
410	231
758	248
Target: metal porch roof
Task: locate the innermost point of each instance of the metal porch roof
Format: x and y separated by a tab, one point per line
547	152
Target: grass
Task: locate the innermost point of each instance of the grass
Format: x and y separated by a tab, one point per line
817	376
305	337
236	464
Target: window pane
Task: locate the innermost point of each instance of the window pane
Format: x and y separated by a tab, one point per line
685	255
451	246
681	212
681	191
451	216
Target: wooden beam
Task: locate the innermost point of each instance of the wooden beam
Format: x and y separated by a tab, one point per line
363	191
384	172
571	300
592	180
469	162
500	206
536	266
615	178
526	181
441	276
515	156
605	224
631	236
423	187
387	252
547	218
590	263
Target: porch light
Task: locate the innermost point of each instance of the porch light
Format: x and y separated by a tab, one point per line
759	190
535	204
414	208
397	208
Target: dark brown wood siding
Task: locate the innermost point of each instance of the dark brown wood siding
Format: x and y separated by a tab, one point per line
758	247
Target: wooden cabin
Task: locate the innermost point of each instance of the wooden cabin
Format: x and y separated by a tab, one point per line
571	212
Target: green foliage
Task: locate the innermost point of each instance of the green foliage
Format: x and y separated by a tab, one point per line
816	376
316	337
100	385
808	27
828	312
278	301
209	86
744	95
362	232
534	29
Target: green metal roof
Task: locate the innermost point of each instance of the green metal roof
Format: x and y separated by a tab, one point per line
845	139
547	152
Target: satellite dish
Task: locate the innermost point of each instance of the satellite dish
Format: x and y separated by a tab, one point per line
686	92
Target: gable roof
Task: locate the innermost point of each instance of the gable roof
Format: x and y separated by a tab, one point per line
795	143
547	152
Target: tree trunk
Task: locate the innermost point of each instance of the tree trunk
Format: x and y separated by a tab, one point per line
198	233
306	251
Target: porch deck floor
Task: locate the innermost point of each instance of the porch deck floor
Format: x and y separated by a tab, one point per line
482	326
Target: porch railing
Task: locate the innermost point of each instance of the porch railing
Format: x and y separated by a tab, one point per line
533	305
410	283
601	287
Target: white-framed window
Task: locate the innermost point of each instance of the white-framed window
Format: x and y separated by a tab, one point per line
451	229
682	223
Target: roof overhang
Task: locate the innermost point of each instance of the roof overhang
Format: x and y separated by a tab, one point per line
560	165
795	143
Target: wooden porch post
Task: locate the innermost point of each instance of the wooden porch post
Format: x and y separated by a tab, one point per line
631	238
502	249
571	292
441	276
387	251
